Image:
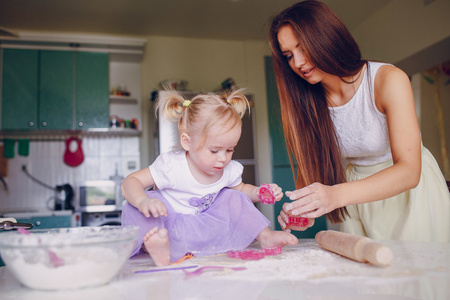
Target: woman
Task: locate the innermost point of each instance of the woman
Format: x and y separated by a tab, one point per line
338	107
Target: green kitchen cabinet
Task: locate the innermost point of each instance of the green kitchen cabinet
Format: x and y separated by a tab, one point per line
281	168
20	88
62	90
92	90
47	222
56	97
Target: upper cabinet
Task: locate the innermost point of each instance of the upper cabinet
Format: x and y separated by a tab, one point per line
92	90
56	96
20	89
46	89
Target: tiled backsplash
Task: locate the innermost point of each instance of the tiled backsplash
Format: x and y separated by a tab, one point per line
45	162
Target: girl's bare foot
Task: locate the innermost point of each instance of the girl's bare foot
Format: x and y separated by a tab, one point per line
156	243
268	238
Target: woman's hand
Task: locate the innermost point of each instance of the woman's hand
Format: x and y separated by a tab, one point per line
283	219
312	201
152	207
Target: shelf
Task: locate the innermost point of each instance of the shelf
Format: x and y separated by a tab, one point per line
116	99
61	135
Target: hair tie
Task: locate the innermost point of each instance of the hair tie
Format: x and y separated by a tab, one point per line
186	103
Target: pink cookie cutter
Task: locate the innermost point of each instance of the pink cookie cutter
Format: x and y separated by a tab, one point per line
298	222
272	251
254	254
266	194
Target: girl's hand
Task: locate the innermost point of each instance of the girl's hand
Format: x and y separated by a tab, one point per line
277	191
268	193
311	201
152	207
283	219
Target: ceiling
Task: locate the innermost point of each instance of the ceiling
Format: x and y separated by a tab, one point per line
215	19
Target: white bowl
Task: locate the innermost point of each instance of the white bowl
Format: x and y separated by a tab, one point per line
67	258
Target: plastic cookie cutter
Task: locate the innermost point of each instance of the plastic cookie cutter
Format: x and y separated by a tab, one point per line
252	255
272	251
266	194
234	254
297	222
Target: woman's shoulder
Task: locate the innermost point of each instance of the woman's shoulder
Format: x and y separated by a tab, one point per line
390	85
388	75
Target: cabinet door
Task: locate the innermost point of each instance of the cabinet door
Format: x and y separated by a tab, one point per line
48	222
92	90
56	105
20	89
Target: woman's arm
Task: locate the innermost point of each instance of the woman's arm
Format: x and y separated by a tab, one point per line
133	189
393	97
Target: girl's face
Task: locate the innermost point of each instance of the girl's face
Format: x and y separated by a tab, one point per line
295	55
208	161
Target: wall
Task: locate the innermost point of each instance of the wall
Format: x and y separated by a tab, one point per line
403	28
45	162
415	37
434	93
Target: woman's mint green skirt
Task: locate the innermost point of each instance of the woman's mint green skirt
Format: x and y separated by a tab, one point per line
420	214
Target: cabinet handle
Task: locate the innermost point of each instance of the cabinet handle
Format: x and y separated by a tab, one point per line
80	124
44	124
31	124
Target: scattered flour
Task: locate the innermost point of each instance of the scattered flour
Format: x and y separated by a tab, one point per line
307	261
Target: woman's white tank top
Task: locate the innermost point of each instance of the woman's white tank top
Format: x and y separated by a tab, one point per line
360	127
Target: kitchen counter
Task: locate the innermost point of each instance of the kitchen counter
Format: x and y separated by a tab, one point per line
29	213
304	271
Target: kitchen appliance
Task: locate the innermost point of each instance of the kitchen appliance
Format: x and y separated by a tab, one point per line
99	196
64	197
100	202
64	194
111	218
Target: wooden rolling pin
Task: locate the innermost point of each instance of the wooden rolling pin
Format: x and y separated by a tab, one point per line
358	248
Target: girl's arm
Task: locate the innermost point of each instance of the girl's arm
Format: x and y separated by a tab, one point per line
393	97
253	191
133	189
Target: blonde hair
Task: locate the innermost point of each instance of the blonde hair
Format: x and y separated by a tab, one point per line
198	115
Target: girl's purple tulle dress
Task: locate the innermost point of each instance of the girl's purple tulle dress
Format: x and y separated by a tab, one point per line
232	222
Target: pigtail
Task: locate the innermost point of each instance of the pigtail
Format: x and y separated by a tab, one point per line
238	101
171	105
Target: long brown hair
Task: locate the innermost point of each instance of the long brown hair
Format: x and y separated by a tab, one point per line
309	131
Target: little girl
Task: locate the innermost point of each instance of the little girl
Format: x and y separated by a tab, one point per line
199	204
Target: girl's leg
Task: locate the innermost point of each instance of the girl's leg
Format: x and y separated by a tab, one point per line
153	235
268	238
156	242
